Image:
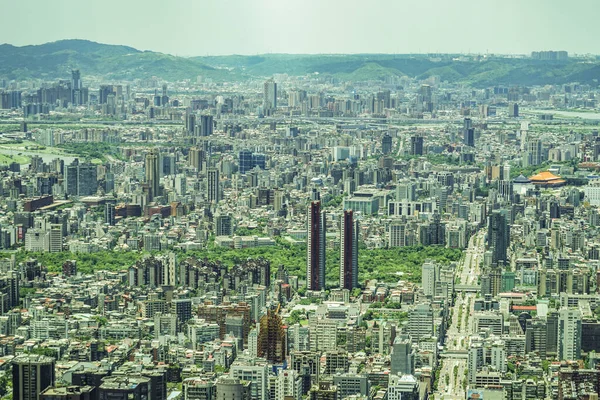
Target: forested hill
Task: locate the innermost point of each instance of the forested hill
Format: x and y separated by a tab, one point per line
55	60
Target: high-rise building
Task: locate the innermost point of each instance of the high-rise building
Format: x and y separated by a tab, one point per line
259	160
206	125
190	122
533	153
167	164
245	161
406	190
469	137
249	160
315	248
223	225
428	278
270	96
535	336
196	158
386	144
513	110
569	334
81	179
416	145
349	230
257	375
152	167
468	132
31	375
55	238
271	338
77	92
420	322
402	357
183	310
397	234
109	214
213	186
498	237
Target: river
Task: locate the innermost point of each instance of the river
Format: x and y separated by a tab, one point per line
45	156
569	114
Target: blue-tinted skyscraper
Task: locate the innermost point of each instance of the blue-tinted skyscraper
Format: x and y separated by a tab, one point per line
245	161
498	236
258	160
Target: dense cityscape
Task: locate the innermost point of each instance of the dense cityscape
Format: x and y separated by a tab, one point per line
300	236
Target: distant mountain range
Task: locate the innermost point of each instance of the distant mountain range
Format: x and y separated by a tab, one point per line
112	62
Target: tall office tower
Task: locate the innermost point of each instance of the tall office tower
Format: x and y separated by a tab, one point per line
167	164
271	338
109	214
402	357
181	184
475	360
270	95
81	179
416	145
469	137
498	237
104	92
315	247
206	125
569	334
425	93
165	97
213	186
467	123
386	144
76	79
259	160
468	133
223	225
428	278
245	161
536	336
190	122
349	251
152	166
513	110
13	280
420	321
506	172
196	158
533	153
32	374
406	190
76	88
55	238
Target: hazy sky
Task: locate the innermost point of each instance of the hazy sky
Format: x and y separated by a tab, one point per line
214	27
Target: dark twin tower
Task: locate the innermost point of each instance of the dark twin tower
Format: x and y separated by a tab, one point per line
315	248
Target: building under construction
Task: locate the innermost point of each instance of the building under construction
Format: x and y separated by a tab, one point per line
271	338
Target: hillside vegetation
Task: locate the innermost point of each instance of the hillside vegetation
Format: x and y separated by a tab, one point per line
55	60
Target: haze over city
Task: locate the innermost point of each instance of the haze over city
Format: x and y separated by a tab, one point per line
222	27
299	200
